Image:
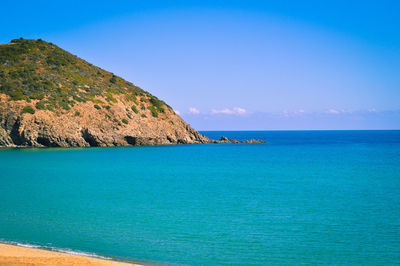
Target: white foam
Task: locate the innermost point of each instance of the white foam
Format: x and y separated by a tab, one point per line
61	250
80	253
26	245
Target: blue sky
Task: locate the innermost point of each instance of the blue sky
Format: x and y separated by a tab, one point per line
237	65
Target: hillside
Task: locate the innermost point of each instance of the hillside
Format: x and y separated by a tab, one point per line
49	97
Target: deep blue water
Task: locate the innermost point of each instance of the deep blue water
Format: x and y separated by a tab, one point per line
305	197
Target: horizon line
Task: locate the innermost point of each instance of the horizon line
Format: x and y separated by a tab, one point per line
303	130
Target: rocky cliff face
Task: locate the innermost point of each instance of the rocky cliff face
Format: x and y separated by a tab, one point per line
86	126
51	98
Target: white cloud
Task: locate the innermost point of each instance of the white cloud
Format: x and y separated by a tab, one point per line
344	111
227	111
177	112
300	111
193	110
240	111
333	112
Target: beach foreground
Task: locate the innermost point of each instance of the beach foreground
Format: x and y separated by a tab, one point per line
15	255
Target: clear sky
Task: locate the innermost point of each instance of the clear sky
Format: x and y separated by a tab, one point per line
237	65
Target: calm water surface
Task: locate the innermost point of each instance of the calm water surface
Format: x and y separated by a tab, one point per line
311	197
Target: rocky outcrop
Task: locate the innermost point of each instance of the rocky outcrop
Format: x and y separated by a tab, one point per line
86	126
226	140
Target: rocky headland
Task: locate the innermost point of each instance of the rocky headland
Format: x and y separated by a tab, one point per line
51	98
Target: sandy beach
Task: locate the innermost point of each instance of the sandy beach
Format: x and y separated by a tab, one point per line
22	256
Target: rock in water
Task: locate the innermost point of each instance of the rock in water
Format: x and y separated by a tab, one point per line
51	98
224	139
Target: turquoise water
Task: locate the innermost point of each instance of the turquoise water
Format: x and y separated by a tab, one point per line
312	197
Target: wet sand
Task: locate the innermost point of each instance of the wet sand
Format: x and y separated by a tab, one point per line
11	255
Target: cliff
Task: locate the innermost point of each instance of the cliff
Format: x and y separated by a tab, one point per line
51	98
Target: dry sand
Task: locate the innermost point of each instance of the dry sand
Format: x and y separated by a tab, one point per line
21	256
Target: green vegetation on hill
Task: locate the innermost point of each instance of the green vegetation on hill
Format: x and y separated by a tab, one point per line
153	111
38	70
28	109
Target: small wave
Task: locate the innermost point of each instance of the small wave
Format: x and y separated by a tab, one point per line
81	253
61	250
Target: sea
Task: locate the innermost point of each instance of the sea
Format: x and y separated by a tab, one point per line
304	197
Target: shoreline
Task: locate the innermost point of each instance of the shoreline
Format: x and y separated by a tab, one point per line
23	254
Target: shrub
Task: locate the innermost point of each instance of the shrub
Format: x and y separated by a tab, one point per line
107	107
129	116
124	121
161	109
77	113
79	99
113	79
28	109
110	98
64	105
97	107
143	115
96	101
153	111
131	97
37	96
17	95
157	104
50	107
134	109
40	105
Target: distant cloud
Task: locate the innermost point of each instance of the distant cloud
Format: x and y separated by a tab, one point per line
229	119
193	110
299	112
227	111
333	112
177	112
344	111
239	110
